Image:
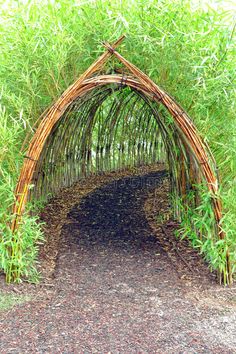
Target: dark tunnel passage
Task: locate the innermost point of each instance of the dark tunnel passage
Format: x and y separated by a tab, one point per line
112	217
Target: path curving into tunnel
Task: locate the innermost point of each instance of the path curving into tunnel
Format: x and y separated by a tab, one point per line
112	218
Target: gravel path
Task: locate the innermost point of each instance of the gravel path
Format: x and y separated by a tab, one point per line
116	290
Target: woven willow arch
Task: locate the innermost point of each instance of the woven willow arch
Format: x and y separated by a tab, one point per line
201	160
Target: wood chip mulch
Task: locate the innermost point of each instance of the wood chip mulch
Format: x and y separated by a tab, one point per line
116	280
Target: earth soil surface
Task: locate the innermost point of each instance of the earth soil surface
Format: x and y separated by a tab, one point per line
117	280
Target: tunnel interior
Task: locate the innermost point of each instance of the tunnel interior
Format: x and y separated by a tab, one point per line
112	128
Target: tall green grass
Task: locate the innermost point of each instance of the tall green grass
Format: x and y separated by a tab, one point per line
187	49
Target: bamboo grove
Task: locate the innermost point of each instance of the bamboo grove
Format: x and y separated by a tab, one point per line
124	112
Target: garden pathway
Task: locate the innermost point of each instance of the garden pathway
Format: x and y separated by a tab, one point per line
116	289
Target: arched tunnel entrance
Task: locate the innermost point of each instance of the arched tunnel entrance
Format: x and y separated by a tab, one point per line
112	121
111	128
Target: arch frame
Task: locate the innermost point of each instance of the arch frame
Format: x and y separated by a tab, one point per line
135	79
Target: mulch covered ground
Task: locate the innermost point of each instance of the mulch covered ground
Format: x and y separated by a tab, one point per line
116	279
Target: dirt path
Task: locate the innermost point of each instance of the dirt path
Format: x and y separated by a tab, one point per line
116	289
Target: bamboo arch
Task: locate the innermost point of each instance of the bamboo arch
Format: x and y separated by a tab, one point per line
198	151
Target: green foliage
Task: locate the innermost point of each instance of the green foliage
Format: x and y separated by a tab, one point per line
197	224
19	250
188	50
23	253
